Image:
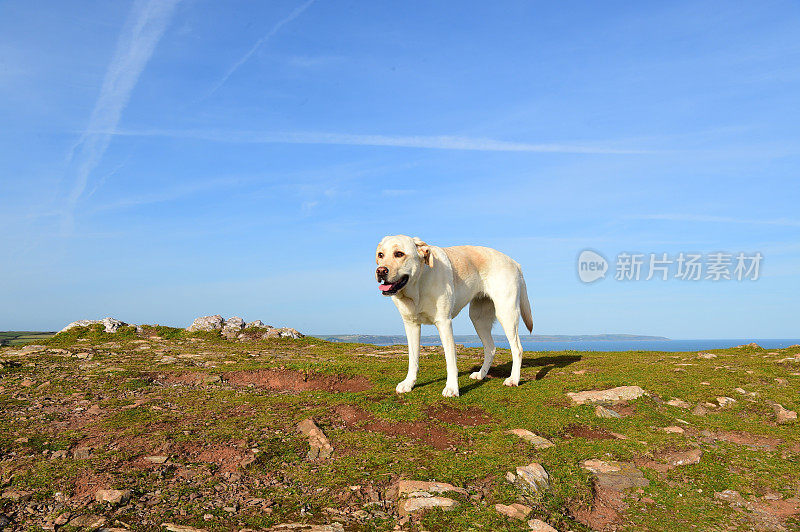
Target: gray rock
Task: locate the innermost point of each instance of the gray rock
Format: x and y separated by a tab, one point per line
607	413
782	415
111	325
725	401
207	323
679	403
113	497
320	445
514	510
172	527
612	395
234	322
534	476
537	525
413	488
616	475
90	522
537	441
422	503
684	457
257	324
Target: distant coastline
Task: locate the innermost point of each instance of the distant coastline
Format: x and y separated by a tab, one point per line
379	339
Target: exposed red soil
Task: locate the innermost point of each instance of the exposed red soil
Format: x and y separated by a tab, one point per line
298	381
468	417
88	483
434	435
582	431
748	439
605	512
227	457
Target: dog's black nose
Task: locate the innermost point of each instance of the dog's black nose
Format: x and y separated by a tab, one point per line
382	272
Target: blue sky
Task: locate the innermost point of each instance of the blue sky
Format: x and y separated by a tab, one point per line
168	159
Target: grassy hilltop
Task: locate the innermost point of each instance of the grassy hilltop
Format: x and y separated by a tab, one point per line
198	432
23	337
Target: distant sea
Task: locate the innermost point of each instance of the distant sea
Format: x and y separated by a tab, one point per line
603	342
641	345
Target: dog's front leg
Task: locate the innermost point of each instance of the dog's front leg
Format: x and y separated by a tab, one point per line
448	342
412	335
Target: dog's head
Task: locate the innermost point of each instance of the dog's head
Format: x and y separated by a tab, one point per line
400	259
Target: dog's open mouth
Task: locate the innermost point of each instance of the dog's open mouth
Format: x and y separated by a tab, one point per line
390	289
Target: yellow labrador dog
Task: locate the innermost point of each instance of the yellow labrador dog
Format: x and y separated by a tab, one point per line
431	285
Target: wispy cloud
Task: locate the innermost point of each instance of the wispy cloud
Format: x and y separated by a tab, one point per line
242	60
716	219
143	28
399	141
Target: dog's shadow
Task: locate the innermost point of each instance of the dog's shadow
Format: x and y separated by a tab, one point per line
546	363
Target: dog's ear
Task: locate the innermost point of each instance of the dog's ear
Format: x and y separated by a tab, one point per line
424	251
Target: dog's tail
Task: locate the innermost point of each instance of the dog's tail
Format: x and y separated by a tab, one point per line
525	305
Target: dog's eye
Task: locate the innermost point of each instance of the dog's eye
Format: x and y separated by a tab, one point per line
398	254
380	255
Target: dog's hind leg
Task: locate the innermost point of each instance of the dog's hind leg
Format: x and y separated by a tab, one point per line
481	312
508	316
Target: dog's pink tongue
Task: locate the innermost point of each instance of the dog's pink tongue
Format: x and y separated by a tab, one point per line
385	287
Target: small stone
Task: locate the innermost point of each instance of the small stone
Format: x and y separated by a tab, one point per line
410	487
422	503
782	415
535	476
607	413
57	455
537	525
781	381
537	441
17	495
22	440
731	496
616	475
91	522
672	429
612	395
511	477
321	447
172	527
684	458
157	459
679	403
515	510
113	497
81	453
706	355
725	401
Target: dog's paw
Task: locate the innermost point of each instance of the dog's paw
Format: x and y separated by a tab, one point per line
511	382
477	375
450	391
405	386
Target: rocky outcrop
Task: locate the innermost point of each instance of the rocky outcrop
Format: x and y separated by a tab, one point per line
110	324
207	323
235	328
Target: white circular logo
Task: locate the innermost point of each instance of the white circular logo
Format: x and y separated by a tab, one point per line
591	266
